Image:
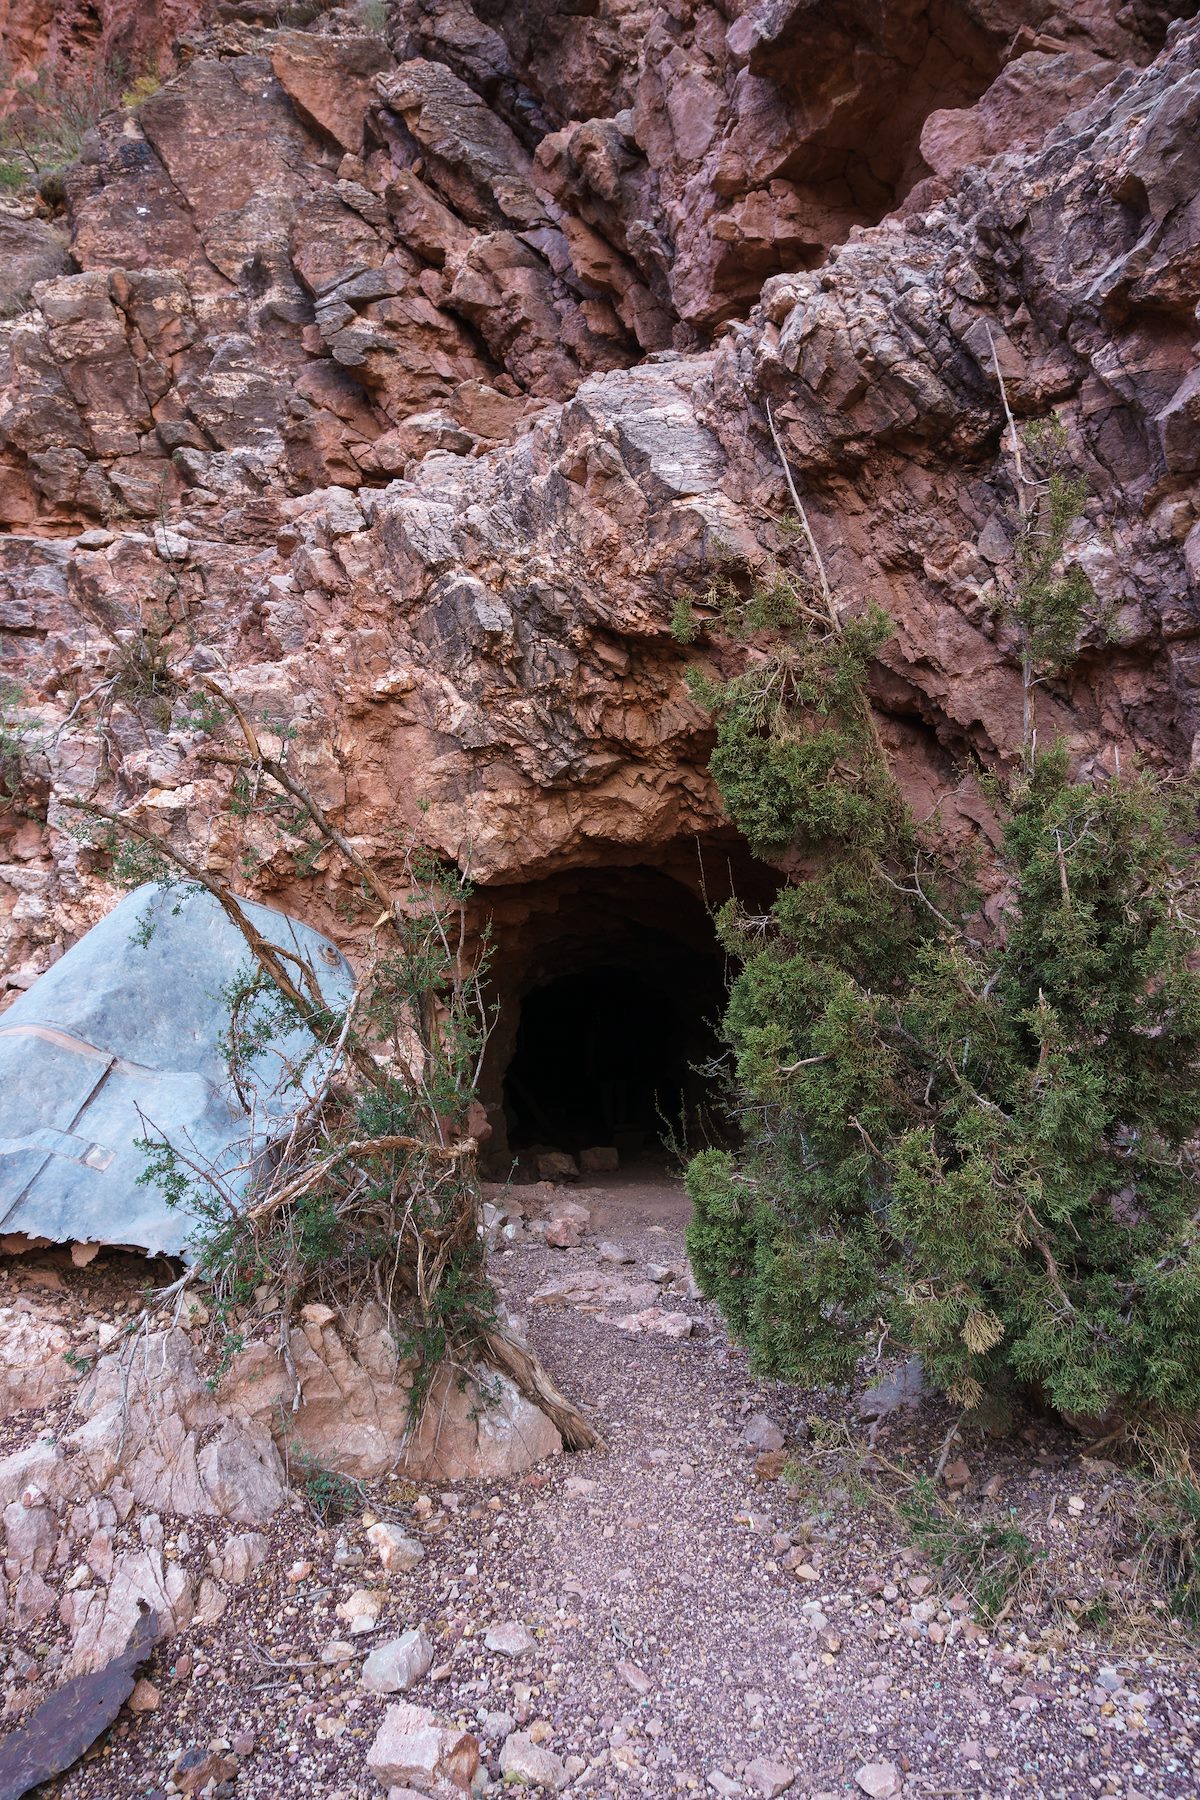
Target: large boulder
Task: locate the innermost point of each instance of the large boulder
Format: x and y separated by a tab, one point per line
31	250
354	1408
152	1425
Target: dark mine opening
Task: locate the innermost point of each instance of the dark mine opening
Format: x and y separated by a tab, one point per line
610	1055
609	986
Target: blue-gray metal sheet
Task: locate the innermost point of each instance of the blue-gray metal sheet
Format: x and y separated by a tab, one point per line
123	1040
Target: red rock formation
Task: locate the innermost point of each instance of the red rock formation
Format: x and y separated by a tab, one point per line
400	406
761	134
76	38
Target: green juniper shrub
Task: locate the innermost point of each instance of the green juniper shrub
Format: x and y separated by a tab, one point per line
976	1145
17	739
685	626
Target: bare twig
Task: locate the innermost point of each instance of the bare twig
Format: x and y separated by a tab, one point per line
1028	682
281	775
1014	436
1062	869
806	528
917	892
950	1438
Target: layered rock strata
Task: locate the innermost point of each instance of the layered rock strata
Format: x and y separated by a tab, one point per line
379	377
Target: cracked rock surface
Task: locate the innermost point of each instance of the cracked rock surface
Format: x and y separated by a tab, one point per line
417	377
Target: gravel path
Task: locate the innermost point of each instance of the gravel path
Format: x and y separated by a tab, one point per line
690	1610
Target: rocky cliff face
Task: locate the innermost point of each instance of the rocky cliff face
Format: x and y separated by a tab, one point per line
73	41
409	379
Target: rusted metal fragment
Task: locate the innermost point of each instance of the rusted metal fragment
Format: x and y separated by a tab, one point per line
72	1718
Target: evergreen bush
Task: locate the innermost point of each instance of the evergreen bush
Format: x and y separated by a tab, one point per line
975	1144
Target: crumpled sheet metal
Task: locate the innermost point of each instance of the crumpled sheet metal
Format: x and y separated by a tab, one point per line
120	1041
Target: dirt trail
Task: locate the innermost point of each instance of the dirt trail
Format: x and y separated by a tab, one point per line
675	1563
688	1615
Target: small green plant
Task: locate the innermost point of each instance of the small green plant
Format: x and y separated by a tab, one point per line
332	1496
143	674
1171	1537
203	713
144	88
830	1477
990	1563
1096	1615
372	15
685	626
17	739
431	1340
137	663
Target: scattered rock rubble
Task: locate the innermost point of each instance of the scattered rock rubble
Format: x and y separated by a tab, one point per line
705	1605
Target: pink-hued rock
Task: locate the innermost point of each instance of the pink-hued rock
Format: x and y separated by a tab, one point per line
414	1748
485	1429
750	145
102	1619
1028	96
654	1323
396	1550
394	1667
354	1403
355	1409
152	1424
335	91
32	1352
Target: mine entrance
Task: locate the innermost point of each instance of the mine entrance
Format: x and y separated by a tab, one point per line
609	986
613	1055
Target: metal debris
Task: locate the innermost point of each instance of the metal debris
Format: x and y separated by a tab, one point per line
122	1040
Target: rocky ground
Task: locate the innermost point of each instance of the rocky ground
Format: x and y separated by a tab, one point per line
720	1598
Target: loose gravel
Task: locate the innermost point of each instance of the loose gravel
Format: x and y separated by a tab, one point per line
696	1609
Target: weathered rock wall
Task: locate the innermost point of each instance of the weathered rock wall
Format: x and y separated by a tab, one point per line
384	373
75	41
